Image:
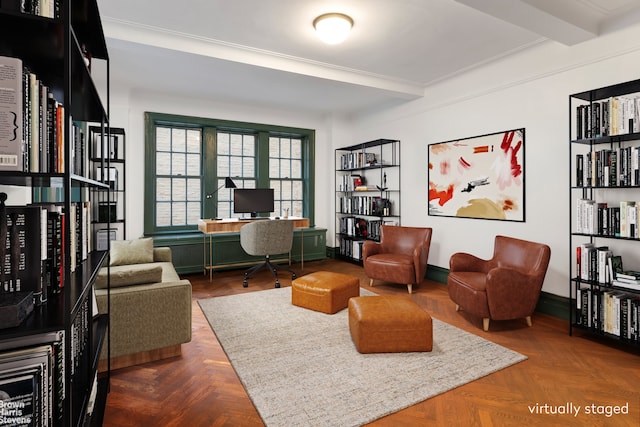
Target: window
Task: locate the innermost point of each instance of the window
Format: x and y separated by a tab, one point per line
188	159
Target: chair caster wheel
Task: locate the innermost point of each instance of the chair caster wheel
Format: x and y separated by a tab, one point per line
245	284
293	276
277	284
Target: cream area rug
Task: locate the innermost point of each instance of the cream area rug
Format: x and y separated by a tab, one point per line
301	368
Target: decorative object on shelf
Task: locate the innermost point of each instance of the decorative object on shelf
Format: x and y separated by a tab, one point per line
478	177
14	308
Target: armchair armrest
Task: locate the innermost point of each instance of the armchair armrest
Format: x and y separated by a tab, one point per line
462	261
162	254
420	257
369	248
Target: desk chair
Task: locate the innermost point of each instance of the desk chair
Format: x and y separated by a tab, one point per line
267	238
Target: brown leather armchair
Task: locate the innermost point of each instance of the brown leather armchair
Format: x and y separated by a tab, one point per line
504	287
400	257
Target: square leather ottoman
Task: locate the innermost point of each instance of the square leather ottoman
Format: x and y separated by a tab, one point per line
324	291
389	324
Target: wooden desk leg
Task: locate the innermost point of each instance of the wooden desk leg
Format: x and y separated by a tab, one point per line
204	254
302	250
210	257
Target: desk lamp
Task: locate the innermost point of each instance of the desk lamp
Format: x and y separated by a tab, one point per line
228	183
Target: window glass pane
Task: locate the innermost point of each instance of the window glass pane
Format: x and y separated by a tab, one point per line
276	189
193	189
163	139
296	148
193	141
223	166
296	190
178	140
193	164
179	189
286	189
285	171
193	212
223	143
296	209
274	147
236	145
248	168
178	166
274	168
296	169
236	166
163	163
249	145
285	147
163	189
163	214
178	213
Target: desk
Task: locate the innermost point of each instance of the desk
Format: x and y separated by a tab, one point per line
209	227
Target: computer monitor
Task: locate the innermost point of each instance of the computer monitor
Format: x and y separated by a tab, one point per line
253	200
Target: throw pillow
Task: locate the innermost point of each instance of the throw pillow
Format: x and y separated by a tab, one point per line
129	275
125	252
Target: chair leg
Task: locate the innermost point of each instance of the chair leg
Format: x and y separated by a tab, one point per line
485	324
528	319
370	282
410	287
457	307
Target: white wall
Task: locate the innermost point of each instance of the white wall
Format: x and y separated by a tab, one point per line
528	90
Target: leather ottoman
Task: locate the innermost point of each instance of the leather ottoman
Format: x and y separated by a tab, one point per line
324	291
389	324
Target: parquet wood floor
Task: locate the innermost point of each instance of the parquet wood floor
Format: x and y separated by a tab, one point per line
200	388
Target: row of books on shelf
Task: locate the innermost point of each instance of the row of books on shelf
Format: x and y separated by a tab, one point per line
32	257
609	311
32	384
606	219
617	115
356	160
34	141
44	8
599	264
365	205
618	167
351	249
360	227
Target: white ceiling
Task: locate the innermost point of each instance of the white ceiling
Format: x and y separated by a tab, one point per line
264	52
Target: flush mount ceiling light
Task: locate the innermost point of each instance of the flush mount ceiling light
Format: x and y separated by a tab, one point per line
333	28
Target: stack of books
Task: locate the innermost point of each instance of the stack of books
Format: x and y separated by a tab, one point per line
629	279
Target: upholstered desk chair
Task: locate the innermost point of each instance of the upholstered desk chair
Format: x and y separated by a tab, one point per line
505	287
400	257
267	238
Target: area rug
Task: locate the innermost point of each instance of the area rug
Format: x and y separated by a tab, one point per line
301	368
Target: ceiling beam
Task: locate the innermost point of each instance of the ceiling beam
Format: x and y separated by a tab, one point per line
167	39
541	17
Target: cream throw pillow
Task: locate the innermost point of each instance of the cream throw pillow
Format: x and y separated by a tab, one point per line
125	252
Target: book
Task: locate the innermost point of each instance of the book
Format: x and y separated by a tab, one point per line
628	274
22	264
11	114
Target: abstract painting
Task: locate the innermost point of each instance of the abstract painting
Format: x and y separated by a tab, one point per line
478	177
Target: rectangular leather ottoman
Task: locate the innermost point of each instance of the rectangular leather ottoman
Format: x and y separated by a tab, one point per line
324	291
389	324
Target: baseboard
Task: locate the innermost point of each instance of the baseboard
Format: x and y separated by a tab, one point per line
140	358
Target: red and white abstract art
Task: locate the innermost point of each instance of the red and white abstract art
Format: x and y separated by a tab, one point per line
478	177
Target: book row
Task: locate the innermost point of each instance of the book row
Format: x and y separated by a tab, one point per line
598	264
32	256
32	386
357	160
603	219
360	227
365	205
609	168
44	8
609	311
351	248
617	115
33	139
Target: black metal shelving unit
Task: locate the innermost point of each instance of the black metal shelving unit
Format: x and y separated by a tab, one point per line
52	47
367	194
591	132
